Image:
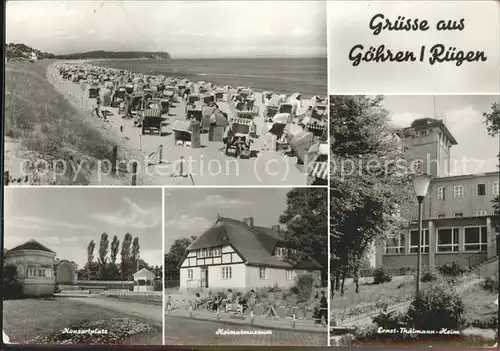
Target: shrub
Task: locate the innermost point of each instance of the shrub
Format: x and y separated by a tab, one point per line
491	323
429	274
276	288
380	276
390	320
304	285
451	270
12	290
406	270
437	308
490	284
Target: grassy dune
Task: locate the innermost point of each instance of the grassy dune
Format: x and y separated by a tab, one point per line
49	128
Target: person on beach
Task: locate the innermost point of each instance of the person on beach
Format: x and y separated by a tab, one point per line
187	92
97	109
296	101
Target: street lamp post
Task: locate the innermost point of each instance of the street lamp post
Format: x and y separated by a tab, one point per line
420	185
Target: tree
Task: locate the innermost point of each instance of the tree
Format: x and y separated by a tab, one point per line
492	119
103	255
369	181
125	266
173	257
307	225
10	273
115	247
135	254
90	258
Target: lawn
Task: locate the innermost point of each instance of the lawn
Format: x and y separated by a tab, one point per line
35	319
479	304
372	297
143	298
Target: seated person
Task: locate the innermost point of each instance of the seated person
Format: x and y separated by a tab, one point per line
242	302
218	301
197	301
229	297
210	300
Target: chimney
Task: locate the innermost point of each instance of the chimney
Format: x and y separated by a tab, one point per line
248	221
276	228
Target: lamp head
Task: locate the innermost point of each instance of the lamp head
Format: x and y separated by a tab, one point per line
421	183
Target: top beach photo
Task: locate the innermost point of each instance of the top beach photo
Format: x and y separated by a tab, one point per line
173	93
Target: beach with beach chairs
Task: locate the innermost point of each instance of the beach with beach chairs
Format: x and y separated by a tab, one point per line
197	133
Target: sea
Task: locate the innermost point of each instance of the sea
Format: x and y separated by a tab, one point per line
307	76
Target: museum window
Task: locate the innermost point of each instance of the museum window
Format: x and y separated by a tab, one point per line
263	272
227	273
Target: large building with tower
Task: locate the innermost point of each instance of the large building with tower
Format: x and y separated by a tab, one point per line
458	214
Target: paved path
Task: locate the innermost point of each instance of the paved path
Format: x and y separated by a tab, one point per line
182	331
136	309
208	165
306	325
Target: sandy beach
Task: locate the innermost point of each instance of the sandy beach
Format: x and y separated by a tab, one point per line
207	165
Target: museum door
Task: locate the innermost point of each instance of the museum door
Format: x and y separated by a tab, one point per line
204	277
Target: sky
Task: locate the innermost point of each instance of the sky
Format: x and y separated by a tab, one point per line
66	219
185	29
481	33
193	211
464	120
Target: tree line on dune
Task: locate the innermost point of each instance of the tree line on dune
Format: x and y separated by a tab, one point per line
23	51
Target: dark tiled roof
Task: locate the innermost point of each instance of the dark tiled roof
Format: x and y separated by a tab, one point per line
31	245
255	244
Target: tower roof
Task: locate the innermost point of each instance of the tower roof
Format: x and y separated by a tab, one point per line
424	123
31	245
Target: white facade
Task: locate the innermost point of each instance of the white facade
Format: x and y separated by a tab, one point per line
224	268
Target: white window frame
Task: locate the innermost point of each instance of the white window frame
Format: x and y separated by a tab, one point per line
38	273
265	271
482	213
289	274
495	188
480	243
398	247
190	274
425	241
477	189
458	191
280	252
217	251
441	215
441	193
227	272
453	245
